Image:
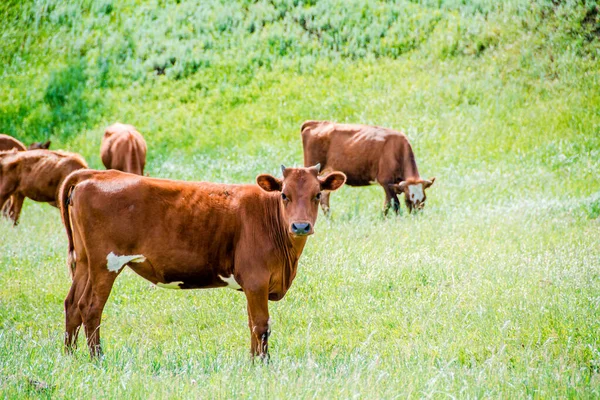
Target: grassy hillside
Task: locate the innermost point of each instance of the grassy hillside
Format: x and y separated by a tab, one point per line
492	292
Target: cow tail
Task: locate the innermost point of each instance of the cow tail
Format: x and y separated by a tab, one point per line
65	194
134	161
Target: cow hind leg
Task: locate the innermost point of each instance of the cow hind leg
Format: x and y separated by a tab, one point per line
73	318
91	305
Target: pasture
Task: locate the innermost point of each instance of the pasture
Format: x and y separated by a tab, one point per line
494	291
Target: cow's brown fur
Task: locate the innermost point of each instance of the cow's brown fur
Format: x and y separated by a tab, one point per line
366	154
36	174
123	148
188	232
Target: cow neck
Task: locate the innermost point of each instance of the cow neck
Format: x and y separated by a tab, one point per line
410	166
289	248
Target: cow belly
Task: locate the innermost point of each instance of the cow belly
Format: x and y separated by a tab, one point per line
185	278
357	181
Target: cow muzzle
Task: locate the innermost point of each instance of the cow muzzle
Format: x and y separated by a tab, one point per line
301	228
418	206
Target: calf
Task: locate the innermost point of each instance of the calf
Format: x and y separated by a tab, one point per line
366	154
36	174
123	148
186	235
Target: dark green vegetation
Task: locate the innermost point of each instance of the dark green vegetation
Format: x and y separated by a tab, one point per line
493	292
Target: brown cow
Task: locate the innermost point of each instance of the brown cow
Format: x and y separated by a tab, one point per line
366	154
36	174
123	148
186	235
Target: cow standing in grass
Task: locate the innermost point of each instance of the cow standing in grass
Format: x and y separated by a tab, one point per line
366	154
36	174
123	148
187	235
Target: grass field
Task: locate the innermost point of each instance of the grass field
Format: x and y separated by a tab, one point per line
493	292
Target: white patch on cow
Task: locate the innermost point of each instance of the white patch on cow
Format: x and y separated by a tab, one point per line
415	192
231	282
171	285
114	262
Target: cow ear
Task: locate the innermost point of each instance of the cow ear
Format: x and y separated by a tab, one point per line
333	181
428	183
268	183
398	187
46	145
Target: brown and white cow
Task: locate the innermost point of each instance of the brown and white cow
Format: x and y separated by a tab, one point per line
36	174
186	235
366	154
123	148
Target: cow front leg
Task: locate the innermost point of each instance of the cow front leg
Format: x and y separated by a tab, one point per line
391	200
15	208
6	202
258	321
325	202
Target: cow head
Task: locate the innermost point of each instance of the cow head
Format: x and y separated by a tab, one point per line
414	192
39	145
300	192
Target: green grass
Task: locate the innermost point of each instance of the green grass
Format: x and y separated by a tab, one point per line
492	292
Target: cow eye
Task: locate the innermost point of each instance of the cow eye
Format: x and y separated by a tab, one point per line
284	197
318	197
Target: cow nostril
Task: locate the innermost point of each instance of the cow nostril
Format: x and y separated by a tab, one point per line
300	227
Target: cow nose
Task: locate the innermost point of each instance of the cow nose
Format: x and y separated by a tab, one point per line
300	228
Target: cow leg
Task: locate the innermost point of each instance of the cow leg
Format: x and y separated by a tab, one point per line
6	208
325	202
5	203
91	305
258	321
15	208
391	199
73	318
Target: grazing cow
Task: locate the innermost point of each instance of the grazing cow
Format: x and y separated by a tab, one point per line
366	154
123	148
186	235
36	174
39	145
